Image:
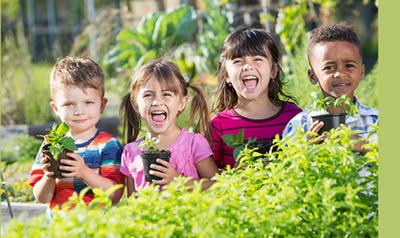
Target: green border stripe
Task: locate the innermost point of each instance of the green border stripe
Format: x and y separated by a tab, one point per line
389	104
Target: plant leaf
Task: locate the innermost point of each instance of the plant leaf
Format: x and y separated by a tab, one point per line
68	143
229	139
62	129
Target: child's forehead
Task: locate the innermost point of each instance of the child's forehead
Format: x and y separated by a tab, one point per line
162	84
333	49
239	52
62	90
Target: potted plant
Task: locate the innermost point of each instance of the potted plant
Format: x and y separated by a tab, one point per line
56	147
151	152
239	143
332	111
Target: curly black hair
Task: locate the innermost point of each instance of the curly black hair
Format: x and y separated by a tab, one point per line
335	32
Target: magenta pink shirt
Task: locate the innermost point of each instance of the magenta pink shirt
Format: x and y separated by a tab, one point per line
188	149
230	122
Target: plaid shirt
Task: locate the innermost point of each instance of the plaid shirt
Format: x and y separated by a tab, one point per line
361	122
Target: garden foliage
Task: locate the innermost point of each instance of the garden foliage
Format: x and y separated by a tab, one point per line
305	190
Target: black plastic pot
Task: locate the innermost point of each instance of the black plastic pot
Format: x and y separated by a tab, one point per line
330	121
150	158
55	164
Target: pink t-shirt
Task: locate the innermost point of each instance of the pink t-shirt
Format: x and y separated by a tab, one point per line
186	152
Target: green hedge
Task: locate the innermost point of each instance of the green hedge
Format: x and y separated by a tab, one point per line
303	190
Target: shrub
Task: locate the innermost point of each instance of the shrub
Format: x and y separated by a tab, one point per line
306	190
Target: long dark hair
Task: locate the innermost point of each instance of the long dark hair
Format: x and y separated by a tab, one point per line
168	75
249	42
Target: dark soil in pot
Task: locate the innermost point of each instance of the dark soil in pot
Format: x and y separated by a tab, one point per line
330	121
150	158
55	164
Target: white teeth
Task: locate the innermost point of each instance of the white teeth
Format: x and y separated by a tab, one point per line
249	77
158	112
341	84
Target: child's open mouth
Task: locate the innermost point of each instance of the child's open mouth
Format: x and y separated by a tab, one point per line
250	81
158	117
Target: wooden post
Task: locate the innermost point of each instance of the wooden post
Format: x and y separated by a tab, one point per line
91	11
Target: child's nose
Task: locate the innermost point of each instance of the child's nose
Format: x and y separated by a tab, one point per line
157	101
337	74
247	66
78	111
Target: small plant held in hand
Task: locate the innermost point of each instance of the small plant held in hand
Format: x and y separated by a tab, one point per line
237	141
150	144
334	110
58	141
56	146
151	152
326	103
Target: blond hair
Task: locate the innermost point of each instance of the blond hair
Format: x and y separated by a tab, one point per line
76	71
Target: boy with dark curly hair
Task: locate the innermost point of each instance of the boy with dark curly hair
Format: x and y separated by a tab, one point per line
336	66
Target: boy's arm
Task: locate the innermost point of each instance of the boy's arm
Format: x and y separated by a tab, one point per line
301	120
76	167
43	190
41	179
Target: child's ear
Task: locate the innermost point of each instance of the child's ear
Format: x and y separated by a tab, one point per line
182	103
274	71
53	106
362	71
104	102
312	76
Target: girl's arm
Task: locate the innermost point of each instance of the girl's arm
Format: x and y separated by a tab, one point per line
130	185
207	169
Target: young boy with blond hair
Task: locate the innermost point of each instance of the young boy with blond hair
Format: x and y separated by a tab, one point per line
77	92
336	66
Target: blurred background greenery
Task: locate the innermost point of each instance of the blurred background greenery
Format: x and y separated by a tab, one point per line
122	35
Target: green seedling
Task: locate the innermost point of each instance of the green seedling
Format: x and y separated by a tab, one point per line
238	142
325	103
58	141
150	144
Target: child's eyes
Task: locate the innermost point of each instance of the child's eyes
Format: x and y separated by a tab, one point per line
328	68
66	104
259	59
146	95
350	65
167	94
89	102
236	61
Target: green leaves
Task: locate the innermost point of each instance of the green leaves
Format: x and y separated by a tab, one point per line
307	190
156	34
58	141
150	144
325	103
238	142
234	140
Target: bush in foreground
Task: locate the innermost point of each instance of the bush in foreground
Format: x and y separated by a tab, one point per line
303	190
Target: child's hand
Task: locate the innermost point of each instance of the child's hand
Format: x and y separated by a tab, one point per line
359	146
74	167
165	171
45	166
315	127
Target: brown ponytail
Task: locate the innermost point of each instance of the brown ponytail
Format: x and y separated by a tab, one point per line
199	107
131	120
